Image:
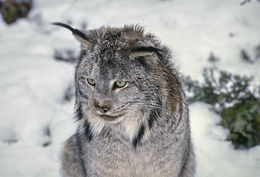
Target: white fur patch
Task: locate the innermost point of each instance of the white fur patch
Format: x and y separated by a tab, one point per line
130	126
97	124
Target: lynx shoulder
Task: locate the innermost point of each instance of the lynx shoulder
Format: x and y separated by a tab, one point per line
130	106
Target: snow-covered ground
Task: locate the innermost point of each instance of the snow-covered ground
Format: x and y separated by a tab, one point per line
33	112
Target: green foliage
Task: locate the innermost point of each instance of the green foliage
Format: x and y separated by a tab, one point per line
257	52
12	10
247	1
212	58
246	57
243	121
232	97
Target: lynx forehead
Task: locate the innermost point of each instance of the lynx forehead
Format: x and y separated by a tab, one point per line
130	106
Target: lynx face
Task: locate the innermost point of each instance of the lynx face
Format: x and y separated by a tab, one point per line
110	85
121	78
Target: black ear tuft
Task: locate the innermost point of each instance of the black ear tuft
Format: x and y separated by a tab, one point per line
63	25
149	49
85	40
73	30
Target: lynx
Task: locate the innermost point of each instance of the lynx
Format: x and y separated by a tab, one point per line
130	106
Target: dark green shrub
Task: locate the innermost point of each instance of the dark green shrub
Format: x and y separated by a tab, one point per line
231	96
246	57
12	10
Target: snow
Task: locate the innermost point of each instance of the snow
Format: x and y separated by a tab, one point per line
215	156
33	84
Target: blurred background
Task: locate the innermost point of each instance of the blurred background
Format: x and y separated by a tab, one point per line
215	46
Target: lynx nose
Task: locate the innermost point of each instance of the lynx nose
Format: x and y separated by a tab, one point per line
102	106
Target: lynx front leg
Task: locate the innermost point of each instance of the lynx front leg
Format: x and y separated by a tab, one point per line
71	163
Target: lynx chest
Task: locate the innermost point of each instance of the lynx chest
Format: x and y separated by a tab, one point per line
122	160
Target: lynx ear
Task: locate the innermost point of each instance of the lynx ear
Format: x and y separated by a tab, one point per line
85	41
146	51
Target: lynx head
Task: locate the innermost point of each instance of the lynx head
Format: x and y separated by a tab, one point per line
123	77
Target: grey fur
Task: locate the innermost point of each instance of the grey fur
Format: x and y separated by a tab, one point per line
140	130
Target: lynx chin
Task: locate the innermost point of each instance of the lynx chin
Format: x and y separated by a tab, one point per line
130	107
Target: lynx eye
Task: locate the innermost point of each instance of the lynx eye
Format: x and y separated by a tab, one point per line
120	84
91	81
